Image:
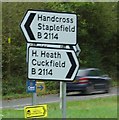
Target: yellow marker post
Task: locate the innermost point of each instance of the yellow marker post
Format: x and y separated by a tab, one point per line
9	40
37	111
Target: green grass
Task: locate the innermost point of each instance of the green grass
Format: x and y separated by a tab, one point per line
25	95
96	108
16	96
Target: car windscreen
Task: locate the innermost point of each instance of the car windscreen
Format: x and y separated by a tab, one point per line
82	73
94	73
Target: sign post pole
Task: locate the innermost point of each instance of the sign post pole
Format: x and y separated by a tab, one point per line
31	88
63	95
34	97
63	99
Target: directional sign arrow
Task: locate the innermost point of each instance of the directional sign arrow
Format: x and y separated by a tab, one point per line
40	87
27	26
73	65
52	64
49	27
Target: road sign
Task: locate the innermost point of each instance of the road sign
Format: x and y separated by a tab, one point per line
31	86
50	27
40	87
37	111
76	48
52	64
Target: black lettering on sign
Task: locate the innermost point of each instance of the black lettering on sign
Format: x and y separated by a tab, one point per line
33	71
50	54
51	36
39	35
34	53
54	28
55	19
39	26
45	72
34	62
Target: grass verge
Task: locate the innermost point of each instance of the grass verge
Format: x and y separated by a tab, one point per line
95	108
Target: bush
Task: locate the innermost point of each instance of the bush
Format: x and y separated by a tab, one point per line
13	85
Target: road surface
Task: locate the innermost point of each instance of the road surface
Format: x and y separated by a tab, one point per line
20	103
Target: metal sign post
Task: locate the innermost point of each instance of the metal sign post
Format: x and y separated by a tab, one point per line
31	88
63	95
63	99
34	98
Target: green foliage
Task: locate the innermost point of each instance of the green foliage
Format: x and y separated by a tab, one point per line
13	85
97	37
52	85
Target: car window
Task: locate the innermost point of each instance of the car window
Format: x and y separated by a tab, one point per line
82	73
94	73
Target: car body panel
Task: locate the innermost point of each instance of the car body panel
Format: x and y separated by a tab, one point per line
91	77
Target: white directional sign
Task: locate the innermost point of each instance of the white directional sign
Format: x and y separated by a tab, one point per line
76	48
50	27
52	64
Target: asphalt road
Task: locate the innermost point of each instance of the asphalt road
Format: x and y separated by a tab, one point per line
20	103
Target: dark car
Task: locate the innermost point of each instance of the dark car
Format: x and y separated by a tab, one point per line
89	80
